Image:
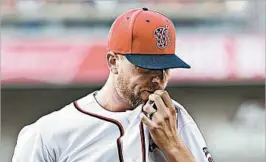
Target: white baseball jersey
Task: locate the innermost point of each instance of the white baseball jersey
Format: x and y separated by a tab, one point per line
83	131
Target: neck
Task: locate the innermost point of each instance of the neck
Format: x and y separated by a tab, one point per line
109	98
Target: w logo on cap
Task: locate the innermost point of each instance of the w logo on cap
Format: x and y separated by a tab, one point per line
162	35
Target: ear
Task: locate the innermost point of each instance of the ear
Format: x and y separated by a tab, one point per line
112	62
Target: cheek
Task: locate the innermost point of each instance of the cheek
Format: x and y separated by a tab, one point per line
131	82
167	78
142	82
137	82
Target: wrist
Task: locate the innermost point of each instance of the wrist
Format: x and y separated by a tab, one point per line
172	151
179	154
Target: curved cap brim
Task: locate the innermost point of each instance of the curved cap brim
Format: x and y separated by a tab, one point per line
150	61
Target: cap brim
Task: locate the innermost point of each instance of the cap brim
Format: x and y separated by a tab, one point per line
150	61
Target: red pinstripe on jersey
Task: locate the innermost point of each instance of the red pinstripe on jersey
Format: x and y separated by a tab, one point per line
142	142
119	125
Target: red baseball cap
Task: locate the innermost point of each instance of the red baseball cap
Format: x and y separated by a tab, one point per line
147	39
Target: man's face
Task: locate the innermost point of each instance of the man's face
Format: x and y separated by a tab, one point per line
135	84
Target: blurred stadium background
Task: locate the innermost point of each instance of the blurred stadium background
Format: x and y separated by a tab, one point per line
53	52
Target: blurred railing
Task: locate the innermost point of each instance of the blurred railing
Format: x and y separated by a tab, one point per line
221	39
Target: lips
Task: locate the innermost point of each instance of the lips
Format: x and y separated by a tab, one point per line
149	91
152	89
146	93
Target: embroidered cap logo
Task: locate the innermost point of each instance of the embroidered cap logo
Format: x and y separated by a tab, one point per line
162	35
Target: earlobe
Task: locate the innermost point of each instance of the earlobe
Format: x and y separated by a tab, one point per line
112	63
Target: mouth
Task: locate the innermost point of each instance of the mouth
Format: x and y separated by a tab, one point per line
145	94
152	90
149	91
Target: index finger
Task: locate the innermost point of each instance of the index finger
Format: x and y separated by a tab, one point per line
157	99
166	98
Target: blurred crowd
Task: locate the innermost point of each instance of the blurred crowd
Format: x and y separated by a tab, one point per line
245	13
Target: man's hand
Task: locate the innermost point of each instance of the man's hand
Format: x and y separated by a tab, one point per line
163	127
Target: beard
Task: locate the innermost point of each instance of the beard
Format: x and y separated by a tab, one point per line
129	92
126	91
136	100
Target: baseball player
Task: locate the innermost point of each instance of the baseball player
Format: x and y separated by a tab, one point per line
131	118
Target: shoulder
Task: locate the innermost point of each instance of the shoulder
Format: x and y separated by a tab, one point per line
68	117
59	123
183	114
190	132
52	133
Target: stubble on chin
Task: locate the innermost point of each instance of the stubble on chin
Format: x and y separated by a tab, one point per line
136	100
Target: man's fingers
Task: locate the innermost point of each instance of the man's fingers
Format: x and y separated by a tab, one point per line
147	121
148	108
158	101
165	97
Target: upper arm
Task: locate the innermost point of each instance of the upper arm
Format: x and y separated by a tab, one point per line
30	146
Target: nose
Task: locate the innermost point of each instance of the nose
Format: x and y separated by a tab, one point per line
158	76
156	80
